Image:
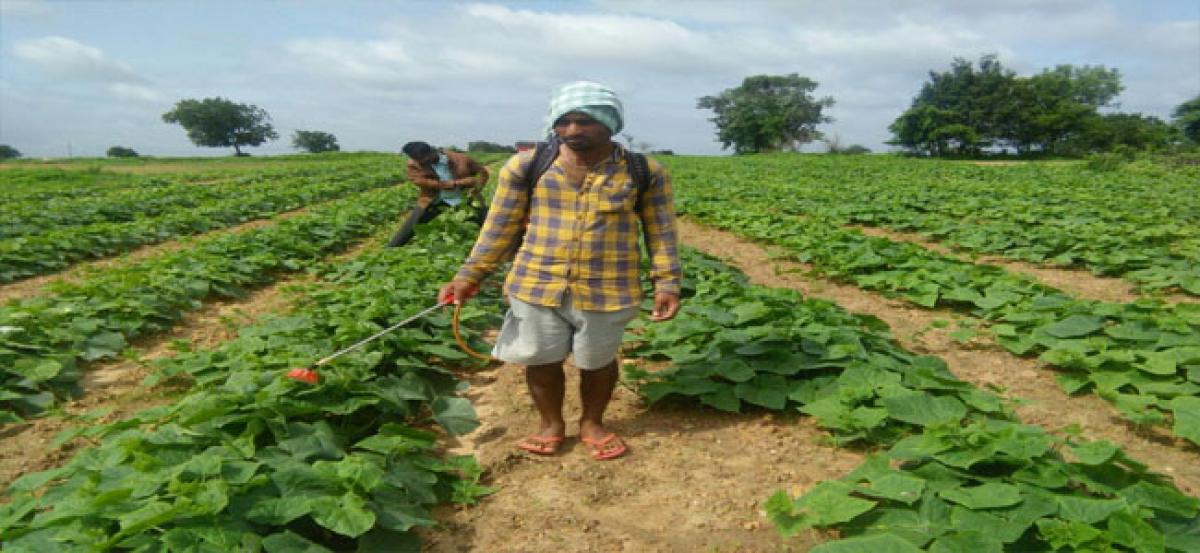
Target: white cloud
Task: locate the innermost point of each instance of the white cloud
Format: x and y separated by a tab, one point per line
523	48
27	10
378	62
608	39
126	91
67	57
71	59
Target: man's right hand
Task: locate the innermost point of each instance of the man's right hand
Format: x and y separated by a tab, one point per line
459	290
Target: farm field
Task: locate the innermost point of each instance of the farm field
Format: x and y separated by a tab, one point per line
856	365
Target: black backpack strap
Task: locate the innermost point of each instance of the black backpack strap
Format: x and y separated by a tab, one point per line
639	170
543	158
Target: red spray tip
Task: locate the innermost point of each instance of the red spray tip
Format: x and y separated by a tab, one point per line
303	374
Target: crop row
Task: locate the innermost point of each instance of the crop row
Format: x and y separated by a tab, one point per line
958	472
1143	357
250	460
225	206
19	185
43	339
1145	228
155	196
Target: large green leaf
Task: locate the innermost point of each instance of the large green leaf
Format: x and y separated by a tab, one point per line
966	541
767	390
1094	453
878	543
826	504
1074	326
290	542
1186	412
1072	535
724	399
1161	498
895	486
925	409
346	515
1086	509
455	414
1135	533
396	510
278	511
985	496
1180	534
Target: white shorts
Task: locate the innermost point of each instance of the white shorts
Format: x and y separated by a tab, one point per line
539	335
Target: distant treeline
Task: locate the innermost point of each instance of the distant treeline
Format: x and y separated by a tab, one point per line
974	110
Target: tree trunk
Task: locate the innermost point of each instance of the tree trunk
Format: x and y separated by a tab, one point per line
237	151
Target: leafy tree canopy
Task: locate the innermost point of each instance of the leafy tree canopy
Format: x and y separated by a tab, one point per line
485	147
315	142
8	152
121	151
217	122
768	113
1124	131
1187	117
972	107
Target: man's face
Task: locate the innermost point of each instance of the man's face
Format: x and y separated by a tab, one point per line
580	132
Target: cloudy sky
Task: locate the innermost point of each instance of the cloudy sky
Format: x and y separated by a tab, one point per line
81	76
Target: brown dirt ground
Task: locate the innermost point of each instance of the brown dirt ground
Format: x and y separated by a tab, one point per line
694	479
114	387
981	363
1076	282
33	286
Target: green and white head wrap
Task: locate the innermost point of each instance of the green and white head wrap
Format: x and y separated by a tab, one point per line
594	99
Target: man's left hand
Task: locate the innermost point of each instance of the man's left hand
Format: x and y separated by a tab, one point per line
666	305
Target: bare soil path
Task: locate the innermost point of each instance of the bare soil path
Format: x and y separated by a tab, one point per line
694	479
985	365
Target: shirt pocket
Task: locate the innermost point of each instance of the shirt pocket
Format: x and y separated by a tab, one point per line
616	198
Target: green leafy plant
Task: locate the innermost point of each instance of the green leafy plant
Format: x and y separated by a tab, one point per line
250	459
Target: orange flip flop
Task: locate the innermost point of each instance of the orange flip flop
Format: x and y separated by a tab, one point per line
608	447
541	445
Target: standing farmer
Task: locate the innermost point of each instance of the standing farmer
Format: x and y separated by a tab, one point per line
446	179
574	283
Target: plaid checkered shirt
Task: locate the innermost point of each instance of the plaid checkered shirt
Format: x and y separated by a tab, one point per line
580	239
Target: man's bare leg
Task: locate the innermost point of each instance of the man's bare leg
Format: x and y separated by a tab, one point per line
595	390
547	386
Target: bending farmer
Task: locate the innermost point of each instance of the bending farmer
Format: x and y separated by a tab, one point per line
574	282
446	179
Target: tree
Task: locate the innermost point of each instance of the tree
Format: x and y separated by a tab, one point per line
1187	118
485	147
833	145
1089	85
1128	131
217	122
1058	106
315	142
969	109
768	113
8	152
960	111
121	151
